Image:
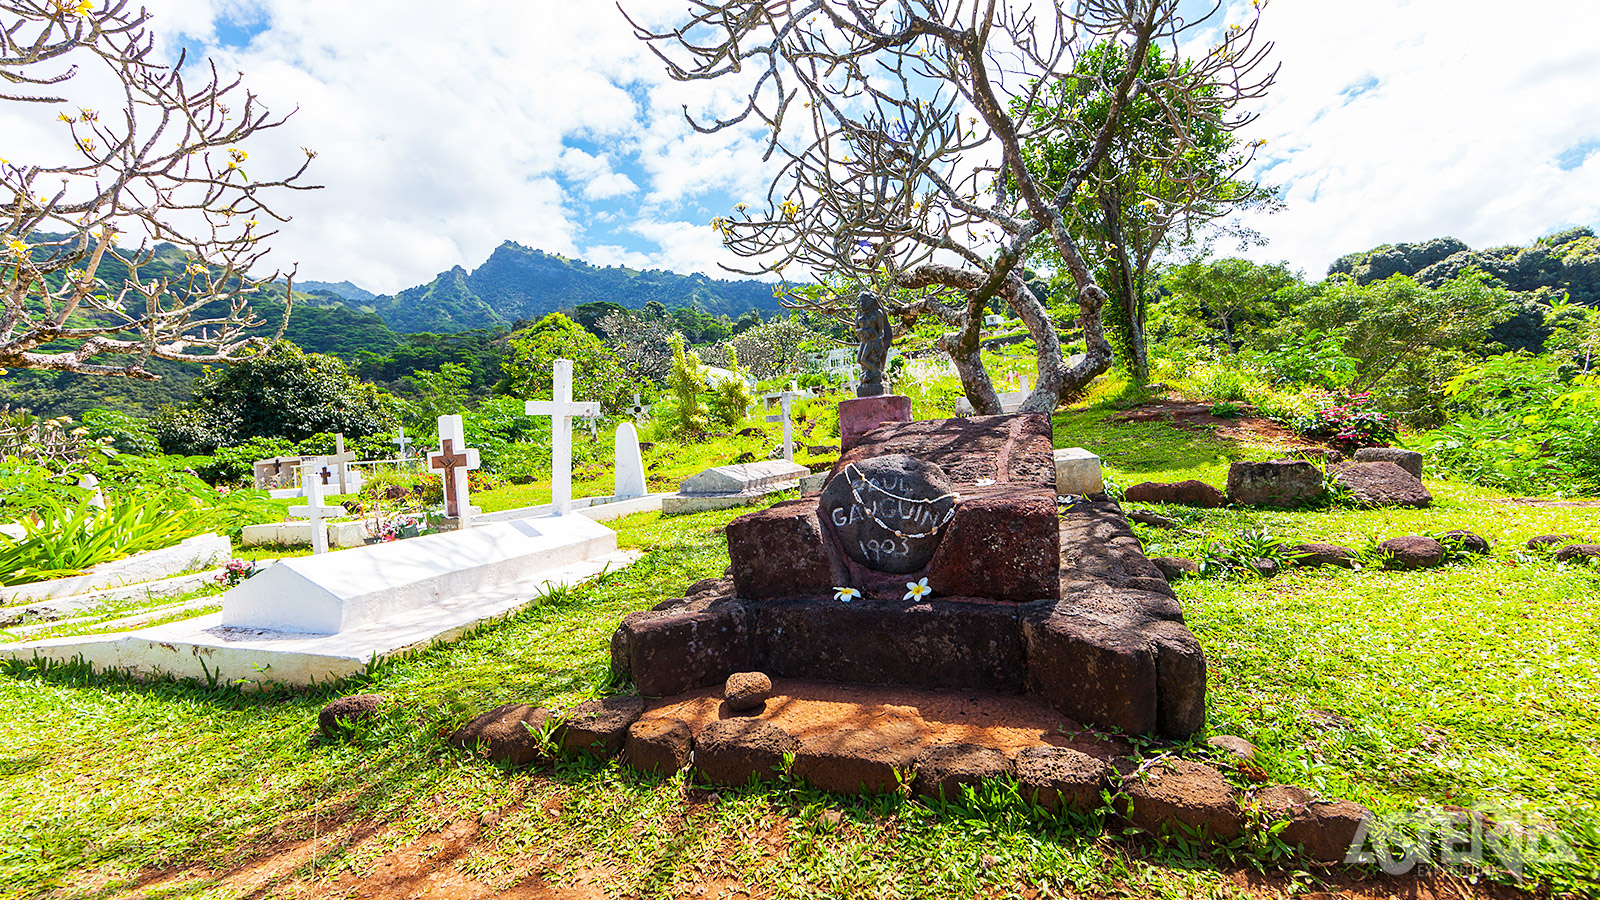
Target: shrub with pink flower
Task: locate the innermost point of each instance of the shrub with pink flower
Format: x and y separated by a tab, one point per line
1349	421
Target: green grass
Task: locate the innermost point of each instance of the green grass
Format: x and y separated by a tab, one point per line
1472	684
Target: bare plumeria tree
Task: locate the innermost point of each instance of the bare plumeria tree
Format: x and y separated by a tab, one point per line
901	127
83	275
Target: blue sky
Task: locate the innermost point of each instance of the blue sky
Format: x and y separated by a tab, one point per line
440	135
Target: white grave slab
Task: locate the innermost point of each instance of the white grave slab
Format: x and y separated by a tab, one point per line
199	552
295	534
352	588
628	474
561	409
722	487
1078	472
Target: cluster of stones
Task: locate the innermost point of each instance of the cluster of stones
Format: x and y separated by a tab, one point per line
1411	551
1160	795
1565	547
1376	477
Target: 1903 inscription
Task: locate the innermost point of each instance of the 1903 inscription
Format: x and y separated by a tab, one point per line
888	512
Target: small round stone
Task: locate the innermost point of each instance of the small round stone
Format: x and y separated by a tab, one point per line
1549	541
1233	745
747	691
347	711
1413	551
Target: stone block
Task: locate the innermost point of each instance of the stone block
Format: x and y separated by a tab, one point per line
1118	658
1186	493
657	746
1277	482
1078	472
1061	778
598	727
1181	792
858	760
1099	549
1004	449
1003	544
943	769
505	734
1322	829
859	415
1410	460
1412	551
1323	555
778	552
1381	484
691	645
731	751
811	484
937	644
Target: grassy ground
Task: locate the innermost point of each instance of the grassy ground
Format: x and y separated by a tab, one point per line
1471	684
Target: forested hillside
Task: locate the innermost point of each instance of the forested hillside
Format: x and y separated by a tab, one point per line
518	282
1567	261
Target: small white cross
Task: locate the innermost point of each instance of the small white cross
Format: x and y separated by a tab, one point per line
638	410
315	510
402	442
785	398
341	462
561	409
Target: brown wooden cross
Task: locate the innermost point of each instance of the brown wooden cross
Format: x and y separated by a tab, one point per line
449	459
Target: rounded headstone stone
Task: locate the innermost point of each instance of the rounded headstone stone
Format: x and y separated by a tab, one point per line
888	511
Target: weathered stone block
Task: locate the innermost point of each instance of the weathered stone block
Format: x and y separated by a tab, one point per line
730	751
694	644
1186	493
1002	448
1381	484
778	551
505	734
938	644
858	760
1179	791
1078	472
943	769
657	746
1277	482
860	415
1061	778
1323	830
1099	549
1410	460
598	727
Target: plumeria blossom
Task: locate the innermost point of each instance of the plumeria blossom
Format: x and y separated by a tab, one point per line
916	590
846	594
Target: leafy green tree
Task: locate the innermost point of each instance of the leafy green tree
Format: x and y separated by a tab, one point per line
687	413
281	393
730	397
643	344
1407	340
770	349
1228	296
1171	172
441	393
597	373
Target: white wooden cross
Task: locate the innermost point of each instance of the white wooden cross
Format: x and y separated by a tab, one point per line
561	409
402	442
785	398
314	509
455	459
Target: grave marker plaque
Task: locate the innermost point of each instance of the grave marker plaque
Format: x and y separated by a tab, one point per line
889	512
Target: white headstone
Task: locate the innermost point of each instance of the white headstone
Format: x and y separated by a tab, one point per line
454	459
561	409
629	472
314	509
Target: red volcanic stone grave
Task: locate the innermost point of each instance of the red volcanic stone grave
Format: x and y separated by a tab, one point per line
1027	599
859	415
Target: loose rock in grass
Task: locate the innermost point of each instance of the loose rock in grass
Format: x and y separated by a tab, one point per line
1175	567
1322	829
347	711
1412	551
1464	540
1233	745
1187	493
1323	555
1575	552
1549	541
1154	520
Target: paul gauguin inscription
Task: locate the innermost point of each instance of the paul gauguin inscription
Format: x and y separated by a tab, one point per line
888	512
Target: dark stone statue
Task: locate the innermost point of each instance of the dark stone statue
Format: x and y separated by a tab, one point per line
874	334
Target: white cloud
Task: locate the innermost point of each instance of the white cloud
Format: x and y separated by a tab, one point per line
1407	121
